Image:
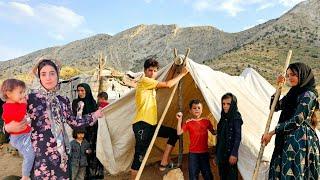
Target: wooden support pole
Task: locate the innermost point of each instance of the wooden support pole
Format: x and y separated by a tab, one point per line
274	103
156	133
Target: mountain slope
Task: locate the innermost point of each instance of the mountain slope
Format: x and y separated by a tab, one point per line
128	49
266	51
263	47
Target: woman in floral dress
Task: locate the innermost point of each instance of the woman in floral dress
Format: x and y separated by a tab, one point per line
296	152
49	112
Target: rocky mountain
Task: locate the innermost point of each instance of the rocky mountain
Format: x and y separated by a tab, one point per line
128	49
298	29
263	47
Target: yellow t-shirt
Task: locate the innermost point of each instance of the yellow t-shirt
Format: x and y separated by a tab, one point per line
146	103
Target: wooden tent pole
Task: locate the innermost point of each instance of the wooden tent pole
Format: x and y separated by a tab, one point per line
274	103
180	99
156	133
101	67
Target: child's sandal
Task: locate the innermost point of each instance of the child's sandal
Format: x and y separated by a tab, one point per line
167	167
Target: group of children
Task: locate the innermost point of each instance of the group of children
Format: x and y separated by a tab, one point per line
15	109
228	131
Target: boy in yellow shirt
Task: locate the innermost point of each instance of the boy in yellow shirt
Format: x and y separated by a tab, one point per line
145	121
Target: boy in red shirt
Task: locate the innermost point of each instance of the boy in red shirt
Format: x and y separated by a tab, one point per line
198	150
15	109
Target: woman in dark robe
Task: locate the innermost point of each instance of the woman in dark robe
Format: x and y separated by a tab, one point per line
296	152
228	138
95	168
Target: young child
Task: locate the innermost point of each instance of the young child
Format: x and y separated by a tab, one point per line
103	99
15	109
79	150
198	150
228	138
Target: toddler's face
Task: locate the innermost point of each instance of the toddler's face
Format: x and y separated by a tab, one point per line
101	100
80	135
17	95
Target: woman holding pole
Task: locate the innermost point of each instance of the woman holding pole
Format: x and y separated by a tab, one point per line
296	152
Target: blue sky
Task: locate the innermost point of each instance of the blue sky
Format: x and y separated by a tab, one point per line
29	25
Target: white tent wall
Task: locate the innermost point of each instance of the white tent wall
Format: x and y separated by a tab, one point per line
115	142
115	139
253	93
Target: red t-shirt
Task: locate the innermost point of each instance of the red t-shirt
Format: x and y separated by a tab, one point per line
15	112
103	104
198	132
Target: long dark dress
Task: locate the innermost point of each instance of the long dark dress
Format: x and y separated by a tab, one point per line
228	140
228	143
4	137
296	153
47	157
95	169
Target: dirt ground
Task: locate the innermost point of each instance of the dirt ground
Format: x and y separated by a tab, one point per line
11	166
10	162
152	172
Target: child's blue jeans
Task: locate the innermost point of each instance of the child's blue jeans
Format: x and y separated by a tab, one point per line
199	162
22	143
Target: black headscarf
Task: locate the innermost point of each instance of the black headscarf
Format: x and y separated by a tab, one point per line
227	120
233	112
290	102
90	104
306	83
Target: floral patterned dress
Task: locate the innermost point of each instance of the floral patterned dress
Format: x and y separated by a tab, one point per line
48	158
299	156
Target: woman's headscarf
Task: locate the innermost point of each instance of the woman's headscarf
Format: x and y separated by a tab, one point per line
306	83
233	111
90	104
306	79
55	115
223	127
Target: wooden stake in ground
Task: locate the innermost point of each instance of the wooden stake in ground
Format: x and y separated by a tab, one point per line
102	63
274	103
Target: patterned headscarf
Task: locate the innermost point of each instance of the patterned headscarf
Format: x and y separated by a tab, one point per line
56	117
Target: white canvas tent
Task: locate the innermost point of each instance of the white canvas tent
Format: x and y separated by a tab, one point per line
115	142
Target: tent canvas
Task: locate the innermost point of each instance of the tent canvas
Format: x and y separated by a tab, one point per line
115	141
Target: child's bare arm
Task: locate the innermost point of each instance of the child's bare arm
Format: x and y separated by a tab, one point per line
213	132
179	118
